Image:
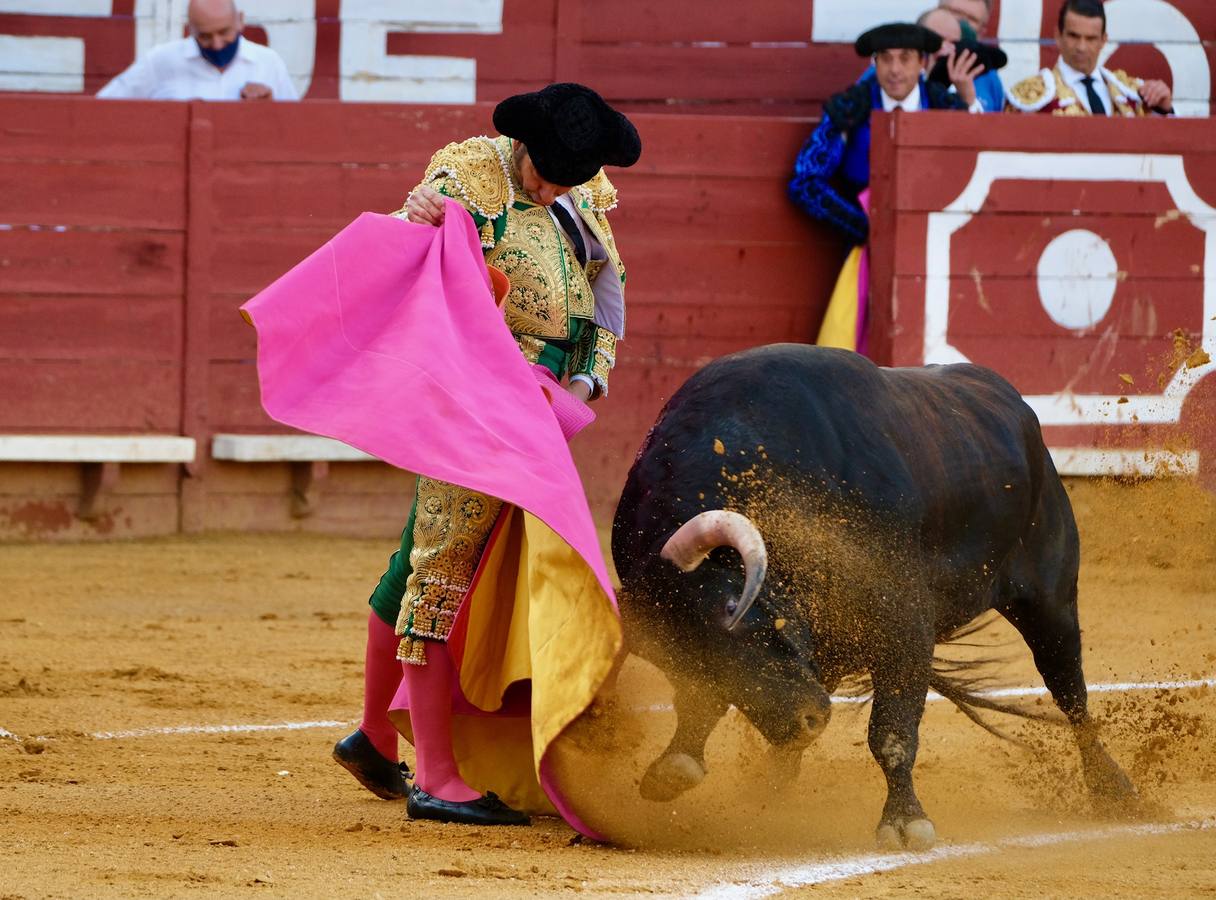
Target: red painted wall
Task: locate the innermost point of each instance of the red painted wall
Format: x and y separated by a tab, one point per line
136	229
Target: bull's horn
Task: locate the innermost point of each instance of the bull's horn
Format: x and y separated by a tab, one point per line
694	540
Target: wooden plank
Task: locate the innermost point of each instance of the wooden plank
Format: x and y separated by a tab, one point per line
200	260
688	21
1143	308
134	262
148	448
123	194
1140	250
494	53
89	327
713	73
347	134
234	399
294	194
1081	365
104	396
1055	134
39	127
283	447
943	174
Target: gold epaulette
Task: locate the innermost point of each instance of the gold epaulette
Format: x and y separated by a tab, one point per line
477	169
599	192
1033	93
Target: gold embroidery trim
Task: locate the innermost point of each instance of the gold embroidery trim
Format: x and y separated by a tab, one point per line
530	347
451	527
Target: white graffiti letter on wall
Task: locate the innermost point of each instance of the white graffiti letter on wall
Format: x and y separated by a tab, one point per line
37	63
370	73
1164	25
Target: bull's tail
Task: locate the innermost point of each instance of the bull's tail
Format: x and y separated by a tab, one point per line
963	684
961	692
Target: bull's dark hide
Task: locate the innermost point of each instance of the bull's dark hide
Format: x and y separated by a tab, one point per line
895	506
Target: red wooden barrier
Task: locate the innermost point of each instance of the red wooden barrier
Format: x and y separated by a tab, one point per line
135	230
1077	261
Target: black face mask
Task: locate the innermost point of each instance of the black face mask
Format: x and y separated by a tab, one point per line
221	57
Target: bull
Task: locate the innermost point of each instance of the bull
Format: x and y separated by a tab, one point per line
799	517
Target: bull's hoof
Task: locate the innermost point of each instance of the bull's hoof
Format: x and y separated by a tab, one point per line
669	776
909	834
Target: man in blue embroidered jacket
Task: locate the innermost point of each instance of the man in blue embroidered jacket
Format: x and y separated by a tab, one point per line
833	167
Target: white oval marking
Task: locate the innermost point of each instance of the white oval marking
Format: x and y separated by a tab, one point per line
1078	275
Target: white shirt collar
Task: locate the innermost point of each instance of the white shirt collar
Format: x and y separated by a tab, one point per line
910	103
1072	77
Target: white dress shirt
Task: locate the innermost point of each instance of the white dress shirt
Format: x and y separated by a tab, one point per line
1072	78
178	71
911	103
607	289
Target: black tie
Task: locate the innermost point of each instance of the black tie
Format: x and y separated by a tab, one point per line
1095	102
567	223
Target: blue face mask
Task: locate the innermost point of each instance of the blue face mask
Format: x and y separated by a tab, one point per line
221	57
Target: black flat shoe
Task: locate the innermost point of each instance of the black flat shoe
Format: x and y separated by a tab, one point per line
485	810
384	778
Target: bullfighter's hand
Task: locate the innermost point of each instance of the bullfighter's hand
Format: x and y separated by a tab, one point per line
425	206
963	69
580	389
256	91
1157	96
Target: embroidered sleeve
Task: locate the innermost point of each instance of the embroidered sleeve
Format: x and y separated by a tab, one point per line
594	355
473	173
811	191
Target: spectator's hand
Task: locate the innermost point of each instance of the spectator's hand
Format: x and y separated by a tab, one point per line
1157	96
255	91
580	389
963	69
425	206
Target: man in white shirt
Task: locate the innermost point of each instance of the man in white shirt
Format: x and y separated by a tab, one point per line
1077	85
214	63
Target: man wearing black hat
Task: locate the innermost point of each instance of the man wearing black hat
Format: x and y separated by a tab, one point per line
539	198
833	166
832	171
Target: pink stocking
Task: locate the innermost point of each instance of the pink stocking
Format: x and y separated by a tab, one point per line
381	676
429	689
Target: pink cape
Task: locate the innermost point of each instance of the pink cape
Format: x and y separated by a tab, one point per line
387	338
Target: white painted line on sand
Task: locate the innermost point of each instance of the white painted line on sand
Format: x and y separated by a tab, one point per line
214	729
1117	687
777	880
1114	687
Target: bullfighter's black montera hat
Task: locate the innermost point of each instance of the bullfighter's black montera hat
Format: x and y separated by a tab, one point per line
898	36
570	132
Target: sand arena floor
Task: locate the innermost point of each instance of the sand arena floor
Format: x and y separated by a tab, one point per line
108	648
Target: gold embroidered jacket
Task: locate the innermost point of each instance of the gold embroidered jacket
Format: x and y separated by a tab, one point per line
551	306
1047	92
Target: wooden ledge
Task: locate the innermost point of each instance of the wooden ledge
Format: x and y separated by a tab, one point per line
284	448
96	448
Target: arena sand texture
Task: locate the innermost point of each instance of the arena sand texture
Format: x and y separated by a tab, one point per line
107	646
